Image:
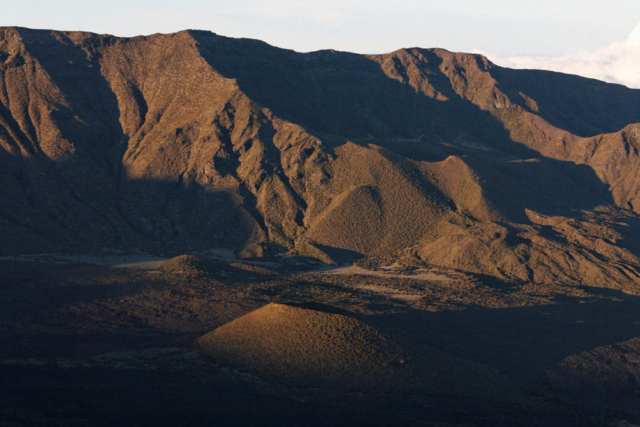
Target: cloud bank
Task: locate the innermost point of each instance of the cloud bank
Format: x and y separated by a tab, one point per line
616	63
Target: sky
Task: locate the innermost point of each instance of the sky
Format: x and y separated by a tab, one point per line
588	37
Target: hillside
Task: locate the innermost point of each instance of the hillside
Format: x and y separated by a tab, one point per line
308	347
191	141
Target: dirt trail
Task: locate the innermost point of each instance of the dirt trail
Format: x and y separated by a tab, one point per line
386	272
355	270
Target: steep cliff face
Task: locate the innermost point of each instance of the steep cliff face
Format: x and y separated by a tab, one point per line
191	140
165	148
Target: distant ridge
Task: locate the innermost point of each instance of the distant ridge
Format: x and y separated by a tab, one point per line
191	140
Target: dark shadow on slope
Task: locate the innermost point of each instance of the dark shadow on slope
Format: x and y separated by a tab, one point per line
44	214
341	254
585	107
92	119
524	341
187	216
89	117
543	185
323	308
629	229
45	288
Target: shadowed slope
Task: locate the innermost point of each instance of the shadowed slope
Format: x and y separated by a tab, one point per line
614	367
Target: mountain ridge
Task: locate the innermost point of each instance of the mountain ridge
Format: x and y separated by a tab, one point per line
191	140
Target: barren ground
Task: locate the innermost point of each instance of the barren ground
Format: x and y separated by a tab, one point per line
78	338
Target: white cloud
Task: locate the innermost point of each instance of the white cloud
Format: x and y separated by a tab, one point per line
616	63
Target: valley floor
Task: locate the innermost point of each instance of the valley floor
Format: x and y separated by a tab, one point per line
83	343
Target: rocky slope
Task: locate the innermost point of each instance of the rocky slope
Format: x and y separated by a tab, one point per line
192	140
